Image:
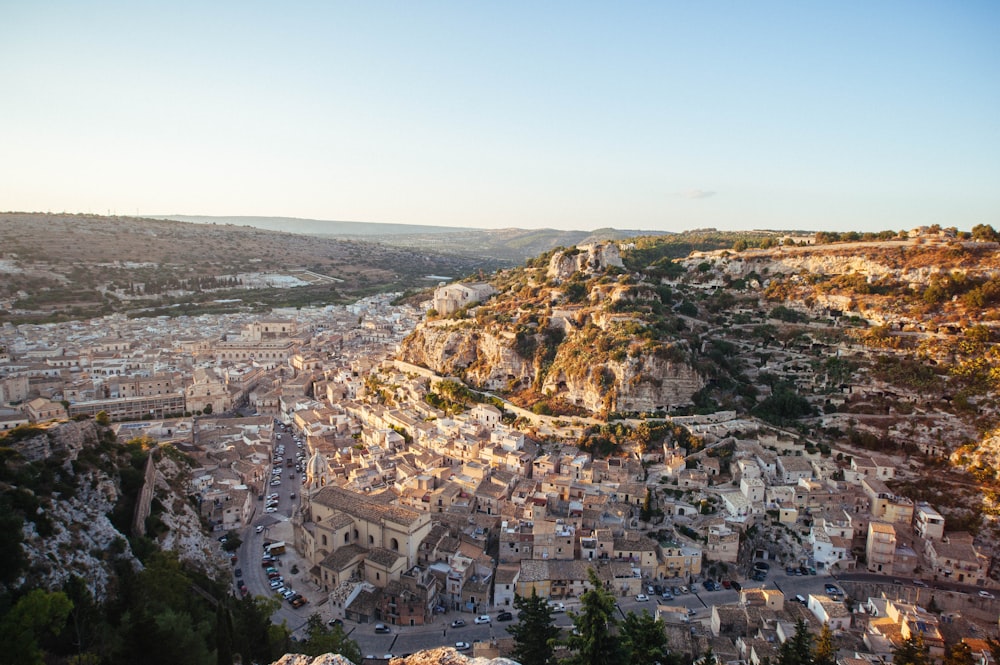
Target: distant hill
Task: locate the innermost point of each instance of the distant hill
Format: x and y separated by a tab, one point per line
511	245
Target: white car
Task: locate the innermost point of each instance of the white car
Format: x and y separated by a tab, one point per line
642	598
275	583
273	495
986	594
271	509
484	618
260	528
275	482
557	607
462	646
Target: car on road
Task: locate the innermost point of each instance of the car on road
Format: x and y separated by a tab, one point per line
983	593
556	607
666	595
335	622
684	589
676	590
381	628
271	509
642	598
276	583
920	583
505	616
458	623
735	586
288	593
275	482
238	572
260	528
483	618
709	585
462	646
273	496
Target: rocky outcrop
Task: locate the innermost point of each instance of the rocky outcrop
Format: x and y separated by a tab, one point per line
66	439
485	359
644	383
439	656
588	259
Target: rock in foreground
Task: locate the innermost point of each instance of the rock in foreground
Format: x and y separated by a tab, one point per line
439	656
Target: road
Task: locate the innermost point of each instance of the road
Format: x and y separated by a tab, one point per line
406	639
276	526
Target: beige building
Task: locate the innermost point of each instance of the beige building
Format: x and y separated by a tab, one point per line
881	547
334	518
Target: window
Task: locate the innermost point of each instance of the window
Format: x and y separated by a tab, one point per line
371	539
347	537
324	540
394	545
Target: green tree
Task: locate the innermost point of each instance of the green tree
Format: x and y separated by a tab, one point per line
797	650
594	641
911	652
644	639
252	629
102	418
327	639
960	654
825	652
35	617
534	631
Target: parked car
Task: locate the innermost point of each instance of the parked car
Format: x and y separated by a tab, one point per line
735	585
505	616
642	598
726	584
483	618
381	628
666	595
298	601
462	646
556	607
335	622
238	572
276	583
983	593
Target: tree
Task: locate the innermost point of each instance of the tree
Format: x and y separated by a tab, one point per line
36	616
644	639
208	409
593	641
960	654
323	639
102	418
797	650
911	652
534	631
825	652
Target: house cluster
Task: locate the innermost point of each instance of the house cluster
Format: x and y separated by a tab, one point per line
171	367
753	629
832	512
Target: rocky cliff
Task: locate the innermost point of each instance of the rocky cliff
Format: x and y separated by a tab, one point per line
574	331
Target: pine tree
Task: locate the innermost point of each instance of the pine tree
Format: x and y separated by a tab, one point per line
594	641
534	631
911	652
797	650
960	654
644	638
825	652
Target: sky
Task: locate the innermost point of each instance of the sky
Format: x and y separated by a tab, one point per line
659	115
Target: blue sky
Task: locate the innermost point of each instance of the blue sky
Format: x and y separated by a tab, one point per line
659	115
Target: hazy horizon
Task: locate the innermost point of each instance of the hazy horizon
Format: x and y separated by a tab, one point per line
663	117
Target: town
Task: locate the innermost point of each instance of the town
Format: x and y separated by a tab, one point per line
398	501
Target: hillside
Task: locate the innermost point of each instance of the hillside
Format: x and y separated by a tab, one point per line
883	345
56	267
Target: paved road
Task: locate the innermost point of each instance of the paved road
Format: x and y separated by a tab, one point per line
277	527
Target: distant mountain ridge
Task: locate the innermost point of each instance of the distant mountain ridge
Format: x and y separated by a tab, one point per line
514	245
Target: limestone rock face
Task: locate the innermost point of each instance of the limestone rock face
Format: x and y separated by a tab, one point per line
487	359
67	438
83	541
645	383
589	259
